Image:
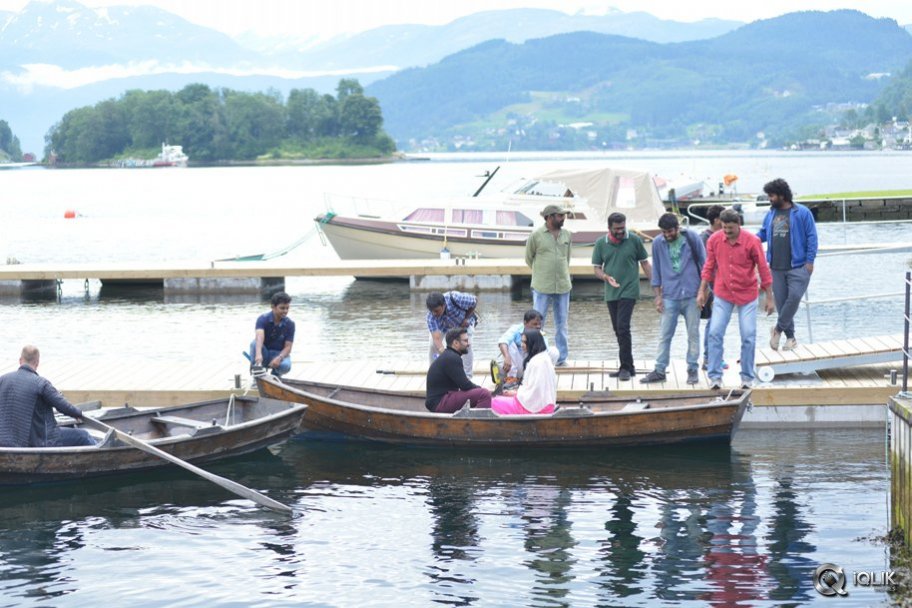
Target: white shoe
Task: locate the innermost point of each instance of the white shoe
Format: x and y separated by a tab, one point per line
775	337
790	344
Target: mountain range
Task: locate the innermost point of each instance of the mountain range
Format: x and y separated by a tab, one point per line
766	77
617	68
55	56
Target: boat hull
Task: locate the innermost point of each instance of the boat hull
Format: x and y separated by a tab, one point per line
382	241
599	422
254	424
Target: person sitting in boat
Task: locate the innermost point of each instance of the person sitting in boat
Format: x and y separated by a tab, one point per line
447	311
448	387
537	393
274	336
27	404
510	345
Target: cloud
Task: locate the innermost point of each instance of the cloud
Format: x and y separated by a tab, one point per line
34	75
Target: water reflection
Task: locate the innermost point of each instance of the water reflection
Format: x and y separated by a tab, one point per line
697	525
622	551
44	527
548	539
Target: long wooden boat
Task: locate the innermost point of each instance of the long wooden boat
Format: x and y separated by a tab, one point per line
197	432
596	419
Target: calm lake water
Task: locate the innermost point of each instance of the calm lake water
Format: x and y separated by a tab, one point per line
416	527
212	213
385	526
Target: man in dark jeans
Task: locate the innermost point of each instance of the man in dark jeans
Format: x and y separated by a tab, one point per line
614	260
27	404
448	387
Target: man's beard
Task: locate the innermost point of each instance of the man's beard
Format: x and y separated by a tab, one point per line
776	204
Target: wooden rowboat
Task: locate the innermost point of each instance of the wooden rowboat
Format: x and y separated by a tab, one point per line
597	419
197	432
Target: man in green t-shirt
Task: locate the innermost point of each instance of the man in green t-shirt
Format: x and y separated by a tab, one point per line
614	260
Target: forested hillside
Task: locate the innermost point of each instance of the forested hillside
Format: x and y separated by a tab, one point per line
9	144
770	78
222	124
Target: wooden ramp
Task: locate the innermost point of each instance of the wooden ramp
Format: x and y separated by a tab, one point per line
808	358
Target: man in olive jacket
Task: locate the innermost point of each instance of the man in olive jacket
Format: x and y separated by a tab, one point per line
27	404
548	255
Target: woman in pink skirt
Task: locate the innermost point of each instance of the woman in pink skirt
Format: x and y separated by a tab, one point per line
538	391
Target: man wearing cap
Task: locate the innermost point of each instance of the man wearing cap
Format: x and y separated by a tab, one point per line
548	255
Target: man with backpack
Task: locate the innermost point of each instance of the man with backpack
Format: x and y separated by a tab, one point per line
677	259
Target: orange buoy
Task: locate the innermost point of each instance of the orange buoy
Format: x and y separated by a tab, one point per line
69	214
730	179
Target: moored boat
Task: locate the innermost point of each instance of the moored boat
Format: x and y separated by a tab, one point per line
170	156
594	420
497	226
197	432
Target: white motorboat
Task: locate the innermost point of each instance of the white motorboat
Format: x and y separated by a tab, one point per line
498	226
680	188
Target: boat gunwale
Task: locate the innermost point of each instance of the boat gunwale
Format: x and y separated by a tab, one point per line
745	396
159	442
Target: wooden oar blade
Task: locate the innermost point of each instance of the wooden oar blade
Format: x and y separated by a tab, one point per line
231	486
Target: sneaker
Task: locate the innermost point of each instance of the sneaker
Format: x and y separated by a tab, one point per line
775	337
693	376
561	364
623	375
715	385
790	344
746	386
653	376
705	365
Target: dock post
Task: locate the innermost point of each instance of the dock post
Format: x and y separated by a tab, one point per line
900	414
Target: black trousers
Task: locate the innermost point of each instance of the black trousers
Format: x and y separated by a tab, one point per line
621	312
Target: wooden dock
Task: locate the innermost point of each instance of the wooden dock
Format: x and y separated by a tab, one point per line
843	397
219	276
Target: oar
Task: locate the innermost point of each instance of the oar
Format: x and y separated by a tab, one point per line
559	370
231	486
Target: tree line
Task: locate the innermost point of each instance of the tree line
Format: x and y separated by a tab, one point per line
9	143
224	124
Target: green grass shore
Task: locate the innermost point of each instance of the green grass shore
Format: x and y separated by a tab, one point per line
858	194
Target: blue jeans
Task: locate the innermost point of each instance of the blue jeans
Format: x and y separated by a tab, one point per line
268	355
747	326
71	437
561	304
673	309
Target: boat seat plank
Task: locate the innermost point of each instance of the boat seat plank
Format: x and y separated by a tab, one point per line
170	421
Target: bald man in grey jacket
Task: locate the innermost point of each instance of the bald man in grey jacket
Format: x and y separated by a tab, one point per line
27	404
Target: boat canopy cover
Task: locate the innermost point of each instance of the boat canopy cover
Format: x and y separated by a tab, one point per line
605	191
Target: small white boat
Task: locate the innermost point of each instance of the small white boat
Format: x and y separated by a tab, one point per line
498	226
682	188
171	156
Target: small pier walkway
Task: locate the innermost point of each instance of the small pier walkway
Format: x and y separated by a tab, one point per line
847	396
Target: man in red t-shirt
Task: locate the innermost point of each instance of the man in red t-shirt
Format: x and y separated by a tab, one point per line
734	258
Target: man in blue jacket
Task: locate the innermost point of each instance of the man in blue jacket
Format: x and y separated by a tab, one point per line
791	236
27	404
677	260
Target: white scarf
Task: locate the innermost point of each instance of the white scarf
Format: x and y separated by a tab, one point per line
539	384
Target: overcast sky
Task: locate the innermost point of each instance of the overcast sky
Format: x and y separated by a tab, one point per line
324	18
